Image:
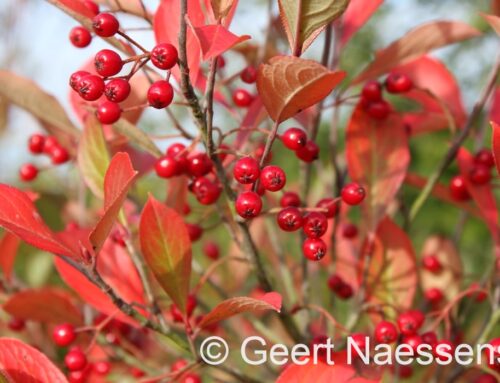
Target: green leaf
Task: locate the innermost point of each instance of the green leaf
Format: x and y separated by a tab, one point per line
137	136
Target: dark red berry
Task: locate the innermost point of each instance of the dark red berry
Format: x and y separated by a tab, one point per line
335	282
36	143
429	338
160	94
206	191
330	205
480	175
386	332
290	199
314	249
345	291
164	56
167	167
108	63
246	170
242	98
431	263
248	75
80	37
76	77
309	153
248	204
398	83
90	87
485	157
16	324
28	172
485	378
108	112
75	360
315	225
458	189
211	250
198	164
433	295
93	7
290	219
195	231
372	91
273	178
64	334
117	90
353	194
59	155
105	24
349	230
410	322
294	138
378	110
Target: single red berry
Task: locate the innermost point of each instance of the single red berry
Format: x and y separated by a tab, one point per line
36	143
349	230
314	249
93	7
242	98
353	194
404	372
166	167
345	291
431	263
105	24
386	332
360	340
330	205
378	110
16	324
410	322
59	155
28	172
335	282
413	341
178	365
294	138
458	189
75	78
108	63
248	75
198	164
195	231
64	334
480	175
290	199
273	178
398	83
206	191
485	157
309	153
190	378
160	94
246	170
176	149
248	204
117	90
108	112
433	295
372	91
90	87
78	376
164	56
211	250
102	368
80	37
75	360
290	219
429	338
485	378
315	225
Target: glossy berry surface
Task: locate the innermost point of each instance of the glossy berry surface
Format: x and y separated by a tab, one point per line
108	112
90	87
242	98
105	24
330	205
433	295
64	334
290	199
315	225
206	191
386	332
353	194
294	138
80	37
75	78
75	360
410	322
117	90
28	172
290	219
314	249
160	94
398	83
372	91
480	175
36	143
485	157
246	170
107	63
458	189
164	56
249	75
248	204
309	153
272	178
59	155
349	231
166	167
198	164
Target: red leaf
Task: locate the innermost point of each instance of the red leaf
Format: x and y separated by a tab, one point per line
214	40
238	305
22	363
31	304
9	245
357	14
495	106
117	181
496	144
78	7
377	158
166	248
18	215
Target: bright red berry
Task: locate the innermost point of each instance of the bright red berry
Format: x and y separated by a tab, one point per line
117	90
360	340
386	332
353	194
290	219
164	56
246	170
242	98
315	225
372	91
410	322
309	153
195	231
64	334
108	112
75	360
90	87
80	37
398	83
248	204
160	94
431	263
59	155
176	149
290	199
206	191
330	205
102	368
349	231
28	172
16	324
458	189
211	250
485	157
36	143
198	164
108	63
378	110
273	178
93	7
294	138
105	24
480	175
314	249
166	167
248	75
433	295
75	78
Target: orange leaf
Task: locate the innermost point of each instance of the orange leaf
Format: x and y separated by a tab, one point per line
214	40
288	85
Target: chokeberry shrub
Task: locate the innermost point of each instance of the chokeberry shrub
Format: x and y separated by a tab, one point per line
281	193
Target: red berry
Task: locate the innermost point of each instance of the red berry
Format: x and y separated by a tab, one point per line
398	83
59	155
372	91
413	341
28	172
102	367
166	167
290	219
345	291
290	199
190	378
90	87
76	77
248	204
78	376
249	75
309	153
36	143
242	98
360	340
273	178
246	170
386	332
410	321
49	144
378	110
198	164
195	231
176	149
108	112
480	175
16	324
294	138
433	295
164	56
206	191
353	194
485	157
349	230
315	225
64	334
429	338
335	282
105	24
458	189
211	250
330	205
431	263
80	37
108	63
446	347
75	360
221	63
314	249
117	90
160	94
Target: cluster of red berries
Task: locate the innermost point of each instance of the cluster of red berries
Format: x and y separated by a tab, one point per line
372	98
338	286
296	139
480	174
40	144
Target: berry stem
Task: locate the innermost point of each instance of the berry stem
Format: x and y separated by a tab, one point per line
132	41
